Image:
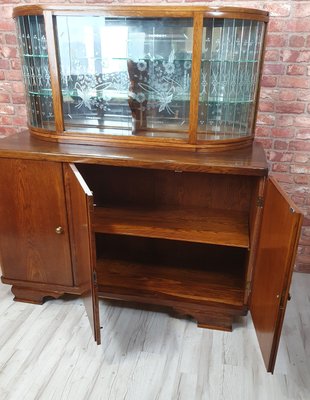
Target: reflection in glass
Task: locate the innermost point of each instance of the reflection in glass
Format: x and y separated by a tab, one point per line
125	76
229	73
33	49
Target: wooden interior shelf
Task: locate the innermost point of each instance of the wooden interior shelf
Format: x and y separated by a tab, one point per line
201	225
121	279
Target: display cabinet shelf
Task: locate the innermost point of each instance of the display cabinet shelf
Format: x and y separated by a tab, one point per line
225	227
174	284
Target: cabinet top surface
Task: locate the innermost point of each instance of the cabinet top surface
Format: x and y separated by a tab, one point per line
217	11
246	161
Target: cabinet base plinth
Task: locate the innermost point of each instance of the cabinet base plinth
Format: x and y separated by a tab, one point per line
209	318
33	296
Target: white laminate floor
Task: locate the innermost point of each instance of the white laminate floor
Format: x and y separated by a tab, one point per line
47	352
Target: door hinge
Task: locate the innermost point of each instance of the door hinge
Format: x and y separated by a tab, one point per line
260	202
281	297
95	277
248	286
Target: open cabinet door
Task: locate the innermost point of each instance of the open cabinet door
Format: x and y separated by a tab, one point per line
80	207
275	259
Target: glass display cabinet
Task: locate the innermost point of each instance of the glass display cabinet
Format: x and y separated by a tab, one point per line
185	78
134	218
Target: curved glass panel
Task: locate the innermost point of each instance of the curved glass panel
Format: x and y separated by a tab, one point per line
231	51
33	49
125	76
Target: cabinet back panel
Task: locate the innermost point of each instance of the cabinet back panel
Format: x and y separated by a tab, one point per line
134	186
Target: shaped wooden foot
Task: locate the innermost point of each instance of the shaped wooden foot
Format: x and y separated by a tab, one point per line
34	296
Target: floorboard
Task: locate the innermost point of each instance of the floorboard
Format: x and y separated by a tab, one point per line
47	353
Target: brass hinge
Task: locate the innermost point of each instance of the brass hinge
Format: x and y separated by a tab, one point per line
260	202
248	286
95	277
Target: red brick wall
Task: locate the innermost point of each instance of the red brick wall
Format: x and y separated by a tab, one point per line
284	111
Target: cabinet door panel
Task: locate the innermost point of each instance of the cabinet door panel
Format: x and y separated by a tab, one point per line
276	253
80	208
32	207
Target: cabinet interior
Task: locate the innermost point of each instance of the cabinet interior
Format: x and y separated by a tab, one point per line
171	235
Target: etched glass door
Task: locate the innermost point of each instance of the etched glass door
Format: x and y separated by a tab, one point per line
231	50
125	75
35	66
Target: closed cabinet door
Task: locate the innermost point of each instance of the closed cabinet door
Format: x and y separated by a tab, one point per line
275	259
34	237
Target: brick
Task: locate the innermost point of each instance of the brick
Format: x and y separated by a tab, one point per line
280	156
297	169
290	107
282	9
308	41
19	121
288	55
303	133
269	94
17	87
297	41
20	110
266	106
5	86
294	82
299	145
272	55
4	64
302	179
276	40
285	120
301	158
280	167
298	200
298	24
15	63
280	145
302	10
7	25
269	81
301	121
265	119
5	120
287	94
283	178
303	95
296	69
14	75
4	98
282	132
273	69
10	38
299	56
7	10
7	109
18	98
262	131
8	52
304	56
277	25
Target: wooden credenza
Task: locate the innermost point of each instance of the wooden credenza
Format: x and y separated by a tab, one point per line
201	235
